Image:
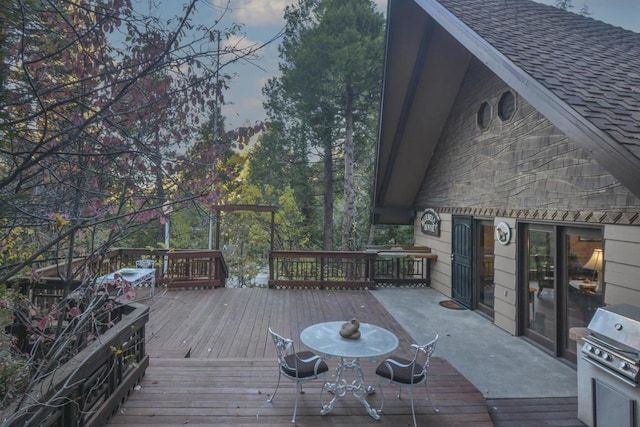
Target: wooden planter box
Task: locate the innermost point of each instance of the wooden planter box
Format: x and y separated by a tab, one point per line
89	388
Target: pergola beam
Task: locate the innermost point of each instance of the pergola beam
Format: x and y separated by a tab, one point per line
252	208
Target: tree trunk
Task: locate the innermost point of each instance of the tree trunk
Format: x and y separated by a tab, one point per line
327	243
161	197
372	233
349	179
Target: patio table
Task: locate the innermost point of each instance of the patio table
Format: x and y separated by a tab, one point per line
374	342
135	276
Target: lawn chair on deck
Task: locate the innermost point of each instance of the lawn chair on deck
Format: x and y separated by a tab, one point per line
144	263
408	373
299	367
544	275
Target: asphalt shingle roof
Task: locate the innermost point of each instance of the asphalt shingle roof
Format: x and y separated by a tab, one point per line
592	66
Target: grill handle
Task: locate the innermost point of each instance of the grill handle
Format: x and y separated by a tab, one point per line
611	372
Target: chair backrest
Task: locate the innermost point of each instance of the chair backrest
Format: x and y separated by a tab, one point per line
422	355
144	263
284	347
543	274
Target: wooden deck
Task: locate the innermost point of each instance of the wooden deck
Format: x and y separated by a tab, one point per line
232	370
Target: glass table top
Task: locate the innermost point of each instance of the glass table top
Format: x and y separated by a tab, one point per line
325	338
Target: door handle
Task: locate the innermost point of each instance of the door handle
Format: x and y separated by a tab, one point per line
453	257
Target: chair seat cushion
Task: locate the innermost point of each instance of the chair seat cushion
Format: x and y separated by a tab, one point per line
305	369
401	374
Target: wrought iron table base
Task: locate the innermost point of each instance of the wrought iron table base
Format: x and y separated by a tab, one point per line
357	387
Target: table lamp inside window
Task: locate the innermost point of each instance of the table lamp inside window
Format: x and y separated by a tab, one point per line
595	264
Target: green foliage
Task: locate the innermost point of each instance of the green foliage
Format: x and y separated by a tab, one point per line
291	227
393	235
283	168
324	109
188	228
568	5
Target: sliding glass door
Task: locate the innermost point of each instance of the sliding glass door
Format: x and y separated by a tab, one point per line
562	285
540	287
485	257
583	276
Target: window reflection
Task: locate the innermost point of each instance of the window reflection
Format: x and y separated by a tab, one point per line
565	284
542	293
585	290
486	297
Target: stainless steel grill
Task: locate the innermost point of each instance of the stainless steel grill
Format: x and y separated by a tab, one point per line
614	342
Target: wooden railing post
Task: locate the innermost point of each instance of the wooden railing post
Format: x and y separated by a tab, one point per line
271	266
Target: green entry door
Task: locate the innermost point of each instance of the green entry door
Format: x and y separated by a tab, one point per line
462	261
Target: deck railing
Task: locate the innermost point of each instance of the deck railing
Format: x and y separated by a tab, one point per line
203	268
321	269
89	388
175	269
329	269
403	268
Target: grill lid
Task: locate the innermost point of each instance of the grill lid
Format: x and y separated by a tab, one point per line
619	323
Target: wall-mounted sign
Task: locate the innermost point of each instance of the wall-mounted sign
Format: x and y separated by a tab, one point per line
430	222
503	233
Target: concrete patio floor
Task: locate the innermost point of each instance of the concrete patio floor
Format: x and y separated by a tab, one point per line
497	363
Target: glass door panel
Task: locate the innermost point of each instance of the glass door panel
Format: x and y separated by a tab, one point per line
584	293
485	267
541	293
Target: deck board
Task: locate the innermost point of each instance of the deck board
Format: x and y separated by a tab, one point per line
232	369
209	391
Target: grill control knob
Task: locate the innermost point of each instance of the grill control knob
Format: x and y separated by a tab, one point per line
623	365
607	357
598	352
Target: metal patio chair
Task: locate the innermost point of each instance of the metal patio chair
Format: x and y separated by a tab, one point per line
299	367
407	373
544	275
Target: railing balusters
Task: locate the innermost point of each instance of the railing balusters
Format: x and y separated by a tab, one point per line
347	269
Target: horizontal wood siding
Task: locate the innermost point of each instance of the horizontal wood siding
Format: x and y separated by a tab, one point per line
505	280
440	246
622	264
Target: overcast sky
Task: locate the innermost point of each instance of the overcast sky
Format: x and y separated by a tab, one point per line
262	19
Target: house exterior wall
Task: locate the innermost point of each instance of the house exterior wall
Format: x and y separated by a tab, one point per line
505	280
622	264
522	163
441	269
523	168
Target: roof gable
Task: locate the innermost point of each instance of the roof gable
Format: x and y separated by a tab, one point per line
583	75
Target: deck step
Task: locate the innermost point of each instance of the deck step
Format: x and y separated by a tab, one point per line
171	353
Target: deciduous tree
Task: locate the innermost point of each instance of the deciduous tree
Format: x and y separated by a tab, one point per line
97	102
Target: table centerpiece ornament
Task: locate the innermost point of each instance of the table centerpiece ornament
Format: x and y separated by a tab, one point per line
350	330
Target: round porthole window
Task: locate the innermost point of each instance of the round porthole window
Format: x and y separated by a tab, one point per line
484	115
506	106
